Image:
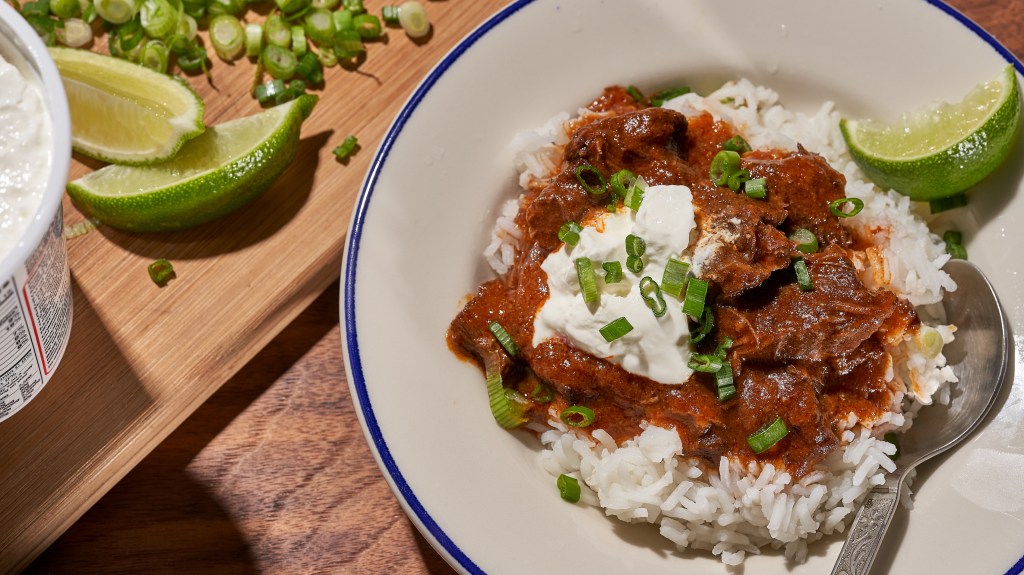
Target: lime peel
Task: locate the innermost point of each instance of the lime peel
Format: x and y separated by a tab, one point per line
226	167
943	149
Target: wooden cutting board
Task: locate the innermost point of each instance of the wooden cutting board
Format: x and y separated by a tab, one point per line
142	358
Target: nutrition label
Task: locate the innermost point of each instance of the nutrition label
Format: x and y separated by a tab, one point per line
35	321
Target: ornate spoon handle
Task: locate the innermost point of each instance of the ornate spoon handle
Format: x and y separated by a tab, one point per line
868	529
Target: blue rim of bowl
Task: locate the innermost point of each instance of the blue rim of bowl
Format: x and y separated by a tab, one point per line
441	539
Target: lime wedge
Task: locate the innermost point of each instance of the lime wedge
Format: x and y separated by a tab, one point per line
942	149
224	168
123	112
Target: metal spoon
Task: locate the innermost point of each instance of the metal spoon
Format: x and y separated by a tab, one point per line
979	356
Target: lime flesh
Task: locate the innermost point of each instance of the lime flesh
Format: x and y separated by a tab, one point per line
943	149
219	171
123	112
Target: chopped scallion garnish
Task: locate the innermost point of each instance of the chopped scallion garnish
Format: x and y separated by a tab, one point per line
612	272
635	195
227	37
651	293
707	322
413	19
577	416
615	329
635	245
803	276
661	97
161	271
763	439
591	179
838	207
635	264
724	383
674	278
588	280
504	338
756	188
636	94
506	410
570	233
346	148
736	144
279	62
696	291
723	165
568	488
542	393
621	182
805	240
706	362
954	244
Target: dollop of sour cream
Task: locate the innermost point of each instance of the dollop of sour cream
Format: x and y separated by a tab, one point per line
656	348
25	136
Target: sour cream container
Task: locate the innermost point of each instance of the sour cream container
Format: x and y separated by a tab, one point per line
35	284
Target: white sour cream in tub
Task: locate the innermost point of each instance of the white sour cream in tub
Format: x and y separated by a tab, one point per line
25	135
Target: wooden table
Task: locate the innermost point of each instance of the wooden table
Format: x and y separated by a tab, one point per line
271	474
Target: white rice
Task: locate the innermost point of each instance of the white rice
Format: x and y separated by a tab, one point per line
732	510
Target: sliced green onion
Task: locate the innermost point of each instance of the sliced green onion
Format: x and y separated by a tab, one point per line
736	179
159	19
577	416
587	279
838	207
268	92
928	341
693	302
155	56
161	271
621	181
723	165
893	438
570	233
504	338
674	278
636	94
328	4
349	44
279	62
327	56
612	272
724	383
126	38
651	294
278	32
704	326
756	188
310	69
954	244
635	195
354	6
300	46
346	148
661	97
290	7
343	20
587	172
706	362
763	439
193	59
615	329
253	40
368	26
65	9
723	346
188	27
947	203
413	19
389	14
803	276
542	393
194	8
568	488
218	7
805	240
736	144
76	33
116	11
227	37
635	245
506	411
319	26
635	264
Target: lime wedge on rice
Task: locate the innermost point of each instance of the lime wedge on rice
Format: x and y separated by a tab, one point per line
124	113
942	149
224	168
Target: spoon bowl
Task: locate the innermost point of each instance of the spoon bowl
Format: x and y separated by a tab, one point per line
979	357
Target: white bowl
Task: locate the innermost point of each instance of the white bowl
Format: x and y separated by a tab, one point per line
435	188
35	269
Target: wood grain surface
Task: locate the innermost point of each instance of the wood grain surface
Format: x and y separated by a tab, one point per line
270	474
